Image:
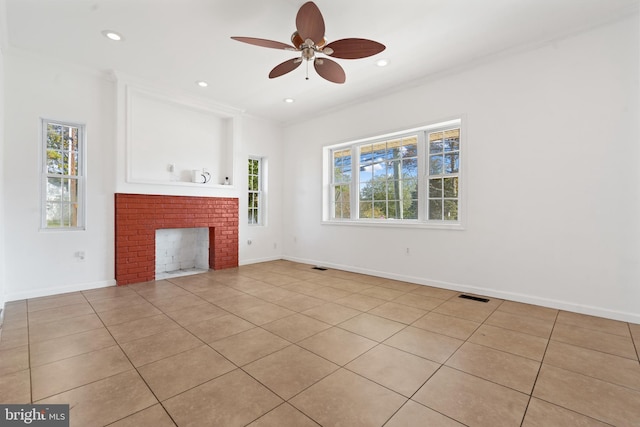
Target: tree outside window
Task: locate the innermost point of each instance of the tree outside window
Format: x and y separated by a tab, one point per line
255	191
63	175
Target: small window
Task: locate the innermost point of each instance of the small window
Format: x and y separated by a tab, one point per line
255	191
63	175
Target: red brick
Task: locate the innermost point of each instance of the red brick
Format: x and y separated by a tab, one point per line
139	215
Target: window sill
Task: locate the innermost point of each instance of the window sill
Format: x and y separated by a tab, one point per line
61	229
396	224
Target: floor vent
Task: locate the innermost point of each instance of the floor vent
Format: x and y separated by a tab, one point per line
471	297
319	268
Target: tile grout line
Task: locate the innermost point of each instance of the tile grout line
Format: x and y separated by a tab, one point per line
593	349
576	412
439	367
237	367
241	368
524	415
378	343
636	343
137	372
29	352
317	355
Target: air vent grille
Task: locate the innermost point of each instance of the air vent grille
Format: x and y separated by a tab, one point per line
471	297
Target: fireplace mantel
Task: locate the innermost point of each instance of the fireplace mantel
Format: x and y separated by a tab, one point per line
138	216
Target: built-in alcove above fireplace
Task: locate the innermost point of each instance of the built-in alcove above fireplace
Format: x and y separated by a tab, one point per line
138	216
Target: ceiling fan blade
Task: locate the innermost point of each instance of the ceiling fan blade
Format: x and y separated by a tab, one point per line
264	43
285	67
310	23
354	48
330	70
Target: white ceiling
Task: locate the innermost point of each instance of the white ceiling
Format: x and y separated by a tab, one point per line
175	43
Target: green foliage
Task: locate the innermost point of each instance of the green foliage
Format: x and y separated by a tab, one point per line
383	198
62	193
62	149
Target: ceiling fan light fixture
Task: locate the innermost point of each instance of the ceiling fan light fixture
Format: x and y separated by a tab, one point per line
309	39
112	35
382	62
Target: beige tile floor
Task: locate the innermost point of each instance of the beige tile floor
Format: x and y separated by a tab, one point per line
281	344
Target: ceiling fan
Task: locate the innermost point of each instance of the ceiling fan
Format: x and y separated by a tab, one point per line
309	39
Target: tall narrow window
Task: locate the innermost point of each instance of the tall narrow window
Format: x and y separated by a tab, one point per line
444	169
341	183
255	191
63	176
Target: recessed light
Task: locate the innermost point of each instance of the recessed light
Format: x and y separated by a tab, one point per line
112	35
202	83
289	100
382	62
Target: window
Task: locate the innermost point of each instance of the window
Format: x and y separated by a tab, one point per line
342	183
444	171
388	179
255	191
409	177
63	175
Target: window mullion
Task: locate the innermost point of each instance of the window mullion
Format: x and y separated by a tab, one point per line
423	176
354	193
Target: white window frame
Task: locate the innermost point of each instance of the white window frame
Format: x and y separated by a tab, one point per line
422	220
260	193
80	177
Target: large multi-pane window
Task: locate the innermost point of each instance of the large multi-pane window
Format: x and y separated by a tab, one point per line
63	175
255	191
410	177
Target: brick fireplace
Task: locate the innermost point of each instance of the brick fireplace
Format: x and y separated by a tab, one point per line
138	216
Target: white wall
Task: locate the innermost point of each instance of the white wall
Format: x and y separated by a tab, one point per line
2	160
158	127
552	181
43	262
262	138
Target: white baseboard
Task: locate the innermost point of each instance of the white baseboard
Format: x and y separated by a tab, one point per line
36	293
259	260
511	296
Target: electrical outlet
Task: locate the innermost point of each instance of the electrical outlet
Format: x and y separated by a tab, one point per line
408	252
80	255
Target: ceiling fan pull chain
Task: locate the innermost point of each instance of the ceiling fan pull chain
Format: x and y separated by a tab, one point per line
307	78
